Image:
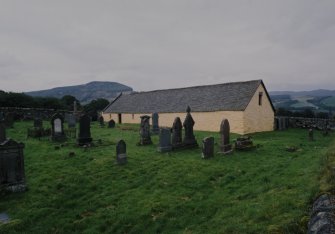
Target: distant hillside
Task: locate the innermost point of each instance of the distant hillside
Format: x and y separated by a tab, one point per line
321	99
86	92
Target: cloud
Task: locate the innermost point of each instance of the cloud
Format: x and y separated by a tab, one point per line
165	44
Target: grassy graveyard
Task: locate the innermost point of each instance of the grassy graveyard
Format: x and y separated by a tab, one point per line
266	190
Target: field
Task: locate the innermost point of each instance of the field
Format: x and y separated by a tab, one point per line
330	102
266	190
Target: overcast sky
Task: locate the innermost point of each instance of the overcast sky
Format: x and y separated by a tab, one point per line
148	45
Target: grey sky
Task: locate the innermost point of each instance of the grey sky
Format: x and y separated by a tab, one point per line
290	44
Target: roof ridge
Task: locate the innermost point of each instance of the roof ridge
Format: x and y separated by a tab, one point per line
198	86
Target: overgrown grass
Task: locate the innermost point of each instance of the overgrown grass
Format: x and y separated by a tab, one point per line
267	190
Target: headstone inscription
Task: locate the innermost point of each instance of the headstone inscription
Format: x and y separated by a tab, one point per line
177	133
145	138
101	121
12	175
57	130
225	146
121	152
84	136
164	140
208	147
111	123
189	139
155	127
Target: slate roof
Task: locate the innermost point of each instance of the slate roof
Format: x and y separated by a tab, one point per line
221	97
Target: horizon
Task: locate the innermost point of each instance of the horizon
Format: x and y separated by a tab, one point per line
54	44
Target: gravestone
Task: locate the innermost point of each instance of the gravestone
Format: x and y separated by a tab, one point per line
71	121
244	143
177	133
311	134
225	146
2	132
57	130
208	147
9	120
2	116
102	121
155	127
38	123
121	152
12	175
189	139
145	138
84	136
164	140
111	123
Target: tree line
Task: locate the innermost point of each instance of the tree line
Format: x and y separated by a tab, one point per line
12	99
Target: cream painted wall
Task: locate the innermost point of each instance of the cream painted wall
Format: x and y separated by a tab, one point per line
259	118
254	119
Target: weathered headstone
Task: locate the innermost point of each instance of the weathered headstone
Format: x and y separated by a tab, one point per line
145	138
244	143
12	175
2	132
225	146
208	147
111	123
155	127
189	139
101	121
121	152
38	123
164	140
57	130
311	134
177	133
9	120
84	136
71	121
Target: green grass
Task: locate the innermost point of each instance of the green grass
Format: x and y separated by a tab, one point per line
267	190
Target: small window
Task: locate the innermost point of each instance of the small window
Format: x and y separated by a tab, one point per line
260	96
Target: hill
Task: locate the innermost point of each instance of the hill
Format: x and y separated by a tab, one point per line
86	92
322	100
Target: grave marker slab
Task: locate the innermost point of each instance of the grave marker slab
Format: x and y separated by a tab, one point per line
121	152
189	139
84	136
164	140
145	138
177	133
208	147
57	130
111	123
225	146
155	127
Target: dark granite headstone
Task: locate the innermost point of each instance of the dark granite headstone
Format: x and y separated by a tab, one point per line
189	139
12	175
155	127
208	147
101	121
111	123
145	138
225	146
121	152
164	140
311	134
177	133
57	129
9	120
84	136
2	132
38	123
71	121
